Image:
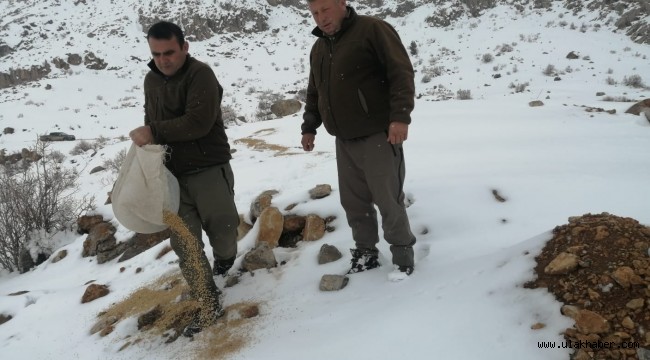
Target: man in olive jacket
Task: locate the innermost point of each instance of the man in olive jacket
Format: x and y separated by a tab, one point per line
183	111
361	89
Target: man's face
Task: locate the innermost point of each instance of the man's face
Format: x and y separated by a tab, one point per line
328	14
168	55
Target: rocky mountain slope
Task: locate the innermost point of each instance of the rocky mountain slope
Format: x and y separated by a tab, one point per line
42	39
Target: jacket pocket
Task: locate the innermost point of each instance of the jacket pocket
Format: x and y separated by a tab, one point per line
362	101
229	178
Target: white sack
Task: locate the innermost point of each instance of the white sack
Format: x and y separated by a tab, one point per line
144	188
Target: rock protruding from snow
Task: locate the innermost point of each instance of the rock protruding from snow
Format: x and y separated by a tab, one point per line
261	202
286	107
94	292
333	282
260	257
314	228
271	223
328	253
320	191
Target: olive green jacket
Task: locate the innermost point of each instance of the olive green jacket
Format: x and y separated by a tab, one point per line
184	113
361	79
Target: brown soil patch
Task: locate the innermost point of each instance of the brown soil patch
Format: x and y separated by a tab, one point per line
610	278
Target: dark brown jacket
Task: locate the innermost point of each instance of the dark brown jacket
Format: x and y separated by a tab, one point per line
184	112
361	79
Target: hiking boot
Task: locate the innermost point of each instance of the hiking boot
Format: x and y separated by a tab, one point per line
221	267
199	322
408	270
363	260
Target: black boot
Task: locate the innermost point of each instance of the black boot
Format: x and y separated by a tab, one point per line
221	267
363	260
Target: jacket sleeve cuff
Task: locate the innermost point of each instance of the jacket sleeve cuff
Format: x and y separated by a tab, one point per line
406	119
310	122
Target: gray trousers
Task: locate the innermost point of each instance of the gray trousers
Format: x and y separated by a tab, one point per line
206	203
371	172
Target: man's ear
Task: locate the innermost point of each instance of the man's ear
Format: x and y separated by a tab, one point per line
186	47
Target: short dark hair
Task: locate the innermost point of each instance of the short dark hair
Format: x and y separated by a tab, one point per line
166	30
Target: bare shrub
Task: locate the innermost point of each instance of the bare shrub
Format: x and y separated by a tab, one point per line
617	99
81	147
413	48
610	81
228	114
434	71
505	48
487	58
100	142
266	99
634	81
56	156
116	162
519	87
463	95
549	70
38	199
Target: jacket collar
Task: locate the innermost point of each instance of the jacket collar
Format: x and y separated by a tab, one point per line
186	65
347	22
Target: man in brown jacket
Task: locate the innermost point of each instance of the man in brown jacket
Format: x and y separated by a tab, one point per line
361	89
183	111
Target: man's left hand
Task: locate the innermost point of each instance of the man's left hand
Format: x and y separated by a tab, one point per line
397	132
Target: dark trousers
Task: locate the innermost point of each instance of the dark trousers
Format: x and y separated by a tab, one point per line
206	203
371	172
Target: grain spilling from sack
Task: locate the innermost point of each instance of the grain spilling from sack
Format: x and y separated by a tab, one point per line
193	249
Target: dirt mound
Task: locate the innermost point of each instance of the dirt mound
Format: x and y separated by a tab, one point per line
599	267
